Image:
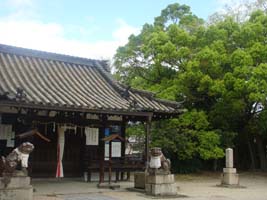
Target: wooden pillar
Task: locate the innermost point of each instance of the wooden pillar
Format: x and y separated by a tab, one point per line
102	148
123	145
123	134
128	176
148	137
110	163
117	175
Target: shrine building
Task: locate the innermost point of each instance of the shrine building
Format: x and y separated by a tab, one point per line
73	112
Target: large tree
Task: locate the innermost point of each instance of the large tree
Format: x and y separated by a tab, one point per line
219	71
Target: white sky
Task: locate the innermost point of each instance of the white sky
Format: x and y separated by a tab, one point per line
22	26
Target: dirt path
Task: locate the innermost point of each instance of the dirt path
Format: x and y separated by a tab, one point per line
193	187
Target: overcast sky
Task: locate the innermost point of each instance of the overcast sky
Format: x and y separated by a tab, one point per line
85	28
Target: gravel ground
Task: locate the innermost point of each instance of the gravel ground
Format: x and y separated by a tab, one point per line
190	187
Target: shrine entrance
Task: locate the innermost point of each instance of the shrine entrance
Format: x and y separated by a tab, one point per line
73	153
43	160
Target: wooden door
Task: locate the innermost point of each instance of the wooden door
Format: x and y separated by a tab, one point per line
73	151
43	159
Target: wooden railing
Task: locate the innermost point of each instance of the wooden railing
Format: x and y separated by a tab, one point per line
118	165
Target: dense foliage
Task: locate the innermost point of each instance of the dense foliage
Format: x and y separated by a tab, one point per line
218	69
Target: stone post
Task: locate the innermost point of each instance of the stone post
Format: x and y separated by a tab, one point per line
229	158
229	176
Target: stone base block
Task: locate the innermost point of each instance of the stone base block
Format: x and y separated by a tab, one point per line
230	179
160	179
16	188
15	182
139	180
229	170
168	189
25	193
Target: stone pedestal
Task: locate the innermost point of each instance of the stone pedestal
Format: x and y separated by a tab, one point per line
139	180
17	188
161	185
229	176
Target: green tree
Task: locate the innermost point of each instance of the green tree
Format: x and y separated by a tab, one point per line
155	60
227	77
219	70
188	136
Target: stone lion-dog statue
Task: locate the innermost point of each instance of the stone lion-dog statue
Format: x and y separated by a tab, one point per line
19	155
158	163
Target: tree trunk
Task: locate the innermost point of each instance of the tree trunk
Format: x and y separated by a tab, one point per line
262	156
251	154
236	157
215	165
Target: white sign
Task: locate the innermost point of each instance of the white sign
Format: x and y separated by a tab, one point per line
91	136
115	118
116	149
10	143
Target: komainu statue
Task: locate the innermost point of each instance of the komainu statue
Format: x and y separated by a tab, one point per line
18	156
158	164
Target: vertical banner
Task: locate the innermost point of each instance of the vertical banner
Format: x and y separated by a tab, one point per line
60	151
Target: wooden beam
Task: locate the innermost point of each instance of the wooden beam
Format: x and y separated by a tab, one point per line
73	109
31	133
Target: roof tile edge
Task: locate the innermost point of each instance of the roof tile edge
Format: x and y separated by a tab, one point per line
51	56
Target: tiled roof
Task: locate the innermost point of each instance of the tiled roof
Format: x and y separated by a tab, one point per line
53	80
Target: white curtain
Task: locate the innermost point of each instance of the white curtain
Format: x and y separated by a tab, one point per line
60	151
